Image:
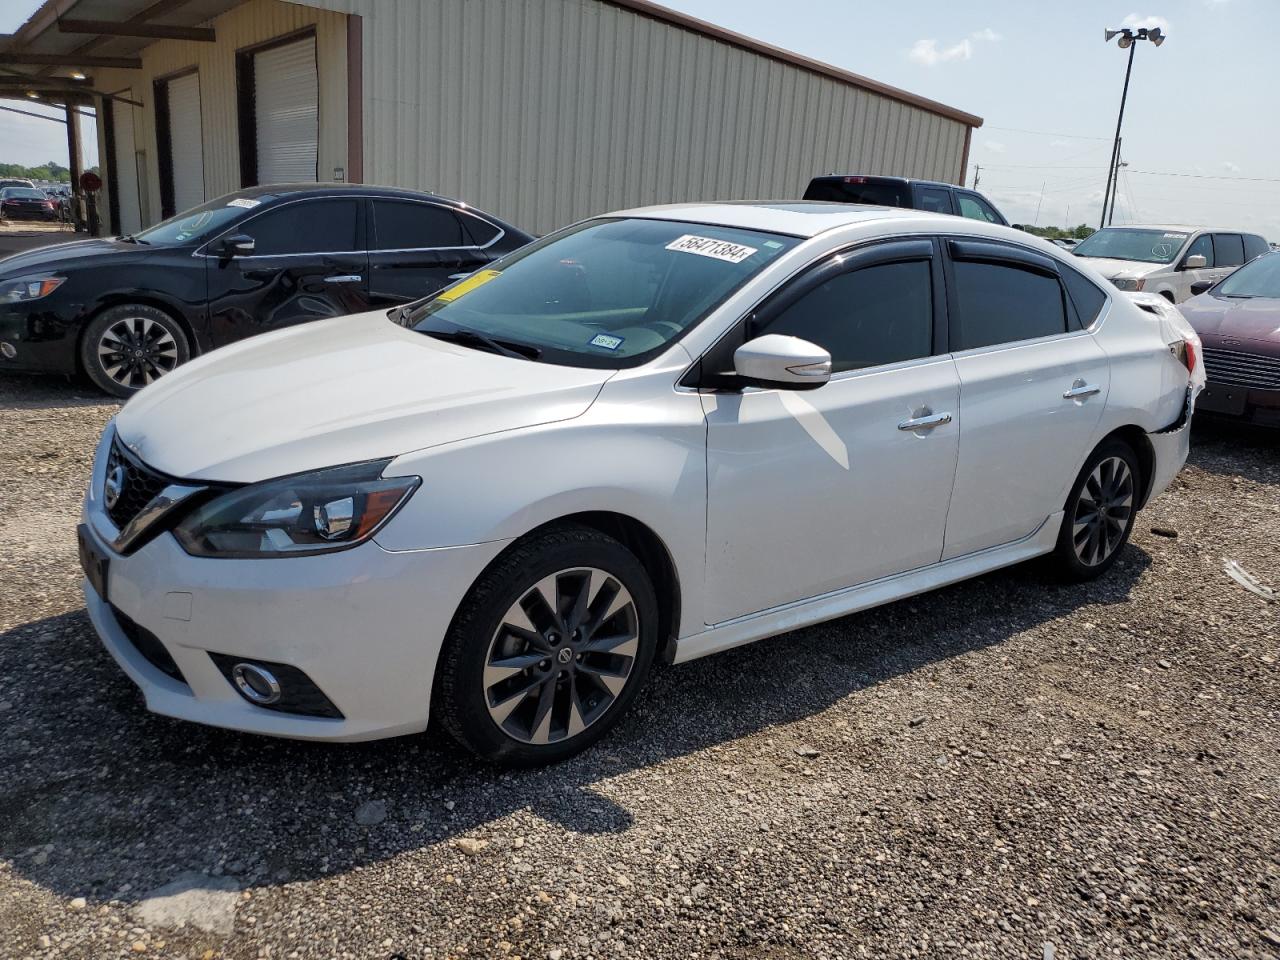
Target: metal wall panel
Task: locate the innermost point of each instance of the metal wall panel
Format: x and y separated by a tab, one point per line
254	22
546	111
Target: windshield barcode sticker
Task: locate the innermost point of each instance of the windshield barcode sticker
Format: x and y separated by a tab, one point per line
710	247
607	341
243	202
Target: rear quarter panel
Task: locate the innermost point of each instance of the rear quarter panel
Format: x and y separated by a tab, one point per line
1148	383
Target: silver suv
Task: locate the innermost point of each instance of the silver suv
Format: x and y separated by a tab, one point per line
1167	259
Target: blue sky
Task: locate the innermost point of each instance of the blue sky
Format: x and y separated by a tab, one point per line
1200	106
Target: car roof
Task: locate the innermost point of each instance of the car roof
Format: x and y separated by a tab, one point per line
1180	227
798	218
873	178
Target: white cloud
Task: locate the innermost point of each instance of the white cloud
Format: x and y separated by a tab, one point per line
1230	167
1138	22
928	52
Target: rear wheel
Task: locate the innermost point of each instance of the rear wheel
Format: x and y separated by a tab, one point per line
127	347
1099	512
548	649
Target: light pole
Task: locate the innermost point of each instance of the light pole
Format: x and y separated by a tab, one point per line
1126	42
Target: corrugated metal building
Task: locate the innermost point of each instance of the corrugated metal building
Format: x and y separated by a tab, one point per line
542	111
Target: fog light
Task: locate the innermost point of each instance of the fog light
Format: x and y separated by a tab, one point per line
8	350
256	684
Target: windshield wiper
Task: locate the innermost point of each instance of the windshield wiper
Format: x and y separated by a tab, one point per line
473	338
134	238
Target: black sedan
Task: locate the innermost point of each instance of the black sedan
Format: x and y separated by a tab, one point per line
127	310
26	203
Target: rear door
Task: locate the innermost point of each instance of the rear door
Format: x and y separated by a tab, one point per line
417	247
1228	254
309	263
1033	385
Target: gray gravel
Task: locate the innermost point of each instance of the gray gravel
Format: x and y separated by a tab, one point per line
1006	768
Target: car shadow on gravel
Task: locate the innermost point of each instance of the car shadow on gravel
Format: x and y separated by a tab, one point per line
36	391
101	799
1232	449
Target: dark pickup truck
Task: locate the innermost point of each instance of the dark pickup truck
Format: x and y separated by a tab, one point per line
901	192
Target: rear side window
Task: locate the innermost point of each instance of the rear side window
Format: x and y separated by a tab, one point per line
1228	250
998	303
975	208
934	200
1254	246
311	226
1202	245
859	190
877	315
1085	296
479	232
402	225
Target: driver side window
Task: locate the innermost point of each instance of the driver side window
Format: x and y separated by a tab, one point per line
865	318
1202	245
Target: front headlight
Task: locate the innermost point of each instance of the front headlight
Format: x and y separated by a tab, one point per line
28	288
301	515
1128	283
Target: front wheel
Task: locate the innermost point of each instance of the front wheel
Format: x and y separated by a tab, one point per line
548	649
1099	513
129	346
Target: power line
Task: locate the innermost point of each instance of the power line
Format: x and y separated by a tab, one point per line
1043	133
1207	176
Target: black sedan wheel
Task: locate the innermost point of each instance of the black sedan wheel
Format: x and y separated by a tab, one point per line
548	649
129	346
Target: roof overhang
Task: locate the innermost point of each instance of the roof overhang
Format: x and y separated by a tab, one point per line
65	40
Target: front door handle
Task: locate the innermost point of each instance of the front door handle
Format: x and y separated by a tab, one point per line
1079	390
927	422
344	278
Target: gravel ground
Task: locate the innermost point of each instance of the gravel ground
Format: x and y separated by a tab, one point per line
1005	768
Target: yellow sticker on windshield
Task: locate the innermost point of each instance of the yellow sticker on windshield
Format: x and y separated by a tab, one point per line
477	279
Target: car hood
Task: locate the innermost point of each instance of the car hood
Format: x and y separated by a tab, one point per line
339	391
1122	268
62	255
1221	320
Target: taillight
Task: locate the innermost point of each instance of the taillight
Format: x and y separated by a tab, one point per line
1185	351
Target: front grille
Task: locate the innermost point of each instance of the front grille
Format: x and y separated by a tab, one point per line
149	645
138	485
1242	369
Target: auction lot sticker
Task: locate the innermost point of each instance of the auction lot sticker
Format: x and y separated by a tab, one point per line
477	279
711	247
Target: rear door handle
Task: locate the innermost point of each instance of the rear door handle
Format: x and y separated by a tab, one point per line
344	278
1080	390
927	422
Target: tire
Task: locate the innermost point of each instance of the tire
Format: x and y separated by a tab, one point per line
1090	540
126	347
557	691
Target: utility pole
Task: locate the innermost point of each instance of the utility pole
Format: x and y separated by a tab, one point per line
1115	190
1127	41
1039	202
977	175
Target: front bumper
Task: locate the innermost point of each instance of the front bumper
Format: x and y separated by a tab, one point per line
365	625
42	336
1247	404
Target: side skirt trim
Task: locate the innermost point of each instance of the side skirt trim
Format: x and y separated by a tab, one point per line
803	613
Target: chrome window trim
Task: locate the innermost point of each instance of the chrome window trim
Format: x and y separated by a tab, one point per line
461	213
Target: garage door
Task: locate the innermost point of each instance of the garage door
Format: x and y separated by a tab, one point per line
286	112
126	170
185	142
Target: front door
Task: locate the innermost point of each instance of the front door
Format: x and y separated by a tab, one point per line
308	264
814	491
1033	389
415	249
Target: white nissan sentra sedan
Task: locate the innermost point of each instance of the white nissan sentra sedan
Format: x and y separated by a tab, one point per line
659	433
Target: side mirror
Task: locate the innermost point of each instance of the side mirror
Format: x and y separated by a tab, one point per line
237	245
1196	261
1201	286
786	363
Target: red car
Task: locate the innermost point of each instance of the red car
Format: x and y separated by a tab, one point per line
1238	319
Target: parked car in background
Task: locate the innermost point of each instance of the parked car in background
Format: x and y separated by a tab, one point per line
1066	243
1238	320
1167	259
927	195
15	182
666	431
26	203
127	310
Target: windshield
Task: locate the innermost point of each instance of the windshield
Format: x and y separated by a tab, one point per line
198	222
605	293
25	193
1126	243
1261	278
